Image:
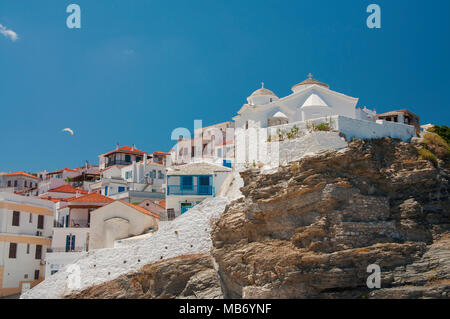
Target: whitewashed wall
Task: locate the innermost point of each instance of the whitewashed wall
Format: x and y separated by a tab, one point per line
252	145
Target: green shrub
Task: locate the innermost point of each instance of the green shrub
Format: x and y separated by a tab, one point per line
443	131
427	155
437	145
323	127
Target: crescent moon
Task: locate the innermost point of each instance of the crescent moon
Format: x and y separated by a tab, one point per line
68	130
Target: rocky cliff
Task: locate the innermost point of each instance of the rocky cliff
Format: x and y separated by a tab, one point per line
311	229
187	276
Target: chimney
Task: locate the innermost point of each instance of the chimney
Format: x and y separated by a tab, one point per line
117	146
87	164
132	148
77	194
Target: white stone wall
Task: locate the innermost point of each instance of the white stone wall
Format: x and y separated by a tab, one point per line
253	146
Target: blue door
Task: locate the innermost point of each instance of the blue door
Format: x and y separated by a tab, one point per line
121	189
106	190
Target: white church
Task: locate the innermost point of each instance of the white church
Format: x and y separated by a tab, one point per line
309	100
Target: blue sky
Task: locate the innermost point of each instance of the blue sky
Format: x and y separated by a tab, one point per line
138	69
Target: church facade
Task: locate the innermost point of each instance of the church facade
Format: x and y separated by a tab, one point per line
309	100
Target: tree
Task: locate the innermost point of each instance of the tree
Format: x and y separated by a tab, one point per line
443	131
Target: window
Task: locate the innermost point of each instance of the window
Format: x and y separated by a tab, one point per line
38	254
171	214
127	158
160	175
138	158
9	183
15	183
40	222
128	174
121	189
154	173
204	180
25	184
31	218
28	248
36	274
70	243
187	182
12	250
16	218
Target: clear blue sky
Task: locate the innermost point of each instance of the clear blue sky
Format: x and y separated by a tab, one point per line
138	69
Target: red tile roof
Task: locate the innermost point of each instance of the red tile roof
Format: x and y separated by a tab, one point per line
162	203
23	174
67	189
90	198
64	169
127	150
140	209
161	153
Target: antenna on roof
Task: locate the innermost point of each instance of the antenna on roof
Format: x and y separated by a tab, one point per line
262	85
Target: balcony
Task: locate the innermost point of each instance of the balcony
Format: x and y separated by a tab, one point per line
65	249
118	162
78	223
201	190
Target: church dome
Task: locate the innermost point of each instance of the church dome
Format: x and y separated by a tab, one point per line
309	81
262	96
263	91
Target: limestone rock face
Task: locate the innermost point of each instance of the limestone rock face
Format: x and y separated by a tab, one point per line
311	229
188	276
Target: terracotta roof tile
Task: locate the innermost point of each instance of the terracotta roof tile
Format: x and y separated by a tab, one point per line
67	189
140	209
90	198
21	173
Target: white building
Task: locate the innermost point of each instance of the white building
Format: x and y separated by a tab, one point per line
119	220
56	179
19	182
188	185
26	225
71	238
309	100
133	183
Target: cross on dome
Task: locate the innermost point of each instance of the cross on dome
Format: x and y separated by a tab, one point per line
262	85
310	75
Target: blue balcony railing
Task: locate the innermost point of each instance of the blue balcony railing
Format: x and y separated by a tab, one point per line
203	190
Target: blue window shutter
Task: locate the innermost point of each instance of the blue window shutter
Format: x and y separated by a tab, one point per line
73	242
67	243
